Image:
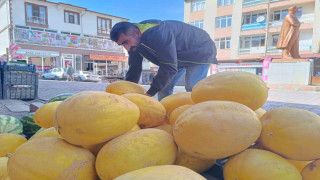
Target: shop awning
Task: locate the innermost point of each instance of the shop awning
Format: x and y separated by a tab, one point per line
107	57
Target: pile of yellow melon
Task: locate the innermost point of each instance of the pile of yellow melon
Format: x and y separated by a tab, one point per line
122	134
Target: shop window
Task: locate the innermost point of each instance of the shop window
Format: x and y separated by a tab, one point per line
104	26
36	14
197	5
71	17
224	21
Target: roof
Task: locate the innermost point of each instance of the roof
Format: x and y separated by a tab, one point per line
60	3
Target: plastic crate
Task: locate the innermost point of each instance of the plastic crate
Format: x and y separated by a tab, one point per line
20	67
19	78
3	66
21	92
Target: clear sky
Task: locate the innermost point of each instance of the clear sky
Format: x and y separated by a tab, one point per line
135	10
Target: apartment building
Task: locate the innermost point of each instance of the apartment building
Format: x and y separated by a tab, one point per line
246	31
53	35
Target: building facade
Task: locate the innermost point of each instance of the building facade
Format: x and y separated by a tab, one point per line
246	31
53	35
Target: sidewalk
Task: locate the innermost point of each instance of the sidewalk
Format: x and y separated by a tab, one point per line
309	100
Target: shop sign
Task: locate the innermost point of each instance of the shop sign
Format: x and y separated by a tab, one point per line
107	57
29	52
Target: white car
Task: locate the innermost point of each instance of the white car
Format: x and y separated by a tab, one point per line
86	76
55	73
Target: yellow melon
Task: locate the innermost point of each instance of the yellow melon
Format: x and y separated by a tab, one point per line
177	112
3	168
193	163
152	112
311	171
216	129
238	86
292	133
9	142
44	115
93	117
51	158
176	100
135	128
260	112
164	172
299	164
259	164
135	150
165	127
50	132
125	87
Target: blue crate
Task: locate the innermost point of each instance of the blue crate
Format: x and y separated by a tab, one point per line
21	67
20	78
21	92
3	66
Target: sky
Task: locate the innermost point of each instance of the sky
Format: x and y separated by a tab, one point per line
135	10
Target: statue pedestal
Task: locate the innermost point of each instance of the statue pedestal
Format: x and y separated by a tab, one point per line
290	71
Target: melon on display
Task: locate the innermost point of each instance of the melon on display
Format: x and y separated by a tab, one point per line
9	142
292	133
45	114
50	132
260	112
29	126
51	159
60	97
238	86
216	129
177	112
253	164
176	100
311	171
193	163
125	87
93	117
166	127
164	172
3	168
152	112
9	124
135	150
299	164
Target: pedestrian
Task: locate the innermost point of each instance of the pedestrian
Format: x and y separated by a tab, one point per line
174	46
70	72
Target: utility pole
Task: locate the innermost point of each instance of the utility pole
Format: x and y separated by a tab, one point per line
267	29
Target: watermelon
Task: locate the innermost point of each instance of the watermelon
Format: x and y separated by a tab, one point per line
60	97
9	124
29	127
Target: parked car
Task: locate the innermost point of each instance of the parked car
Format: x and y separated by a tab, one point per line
86	76
56	73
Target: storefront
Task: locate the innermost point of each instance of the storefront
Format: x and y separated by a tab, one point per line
74	59
106	65
252	67
44	60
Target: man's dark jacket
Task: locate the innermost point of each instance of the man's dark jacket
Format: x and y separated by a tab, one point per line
170	45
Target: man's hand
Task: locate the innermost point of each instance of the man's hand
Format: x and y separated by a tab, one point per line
147	94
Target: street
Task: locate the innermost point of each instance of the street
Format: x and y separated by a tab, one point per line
299	99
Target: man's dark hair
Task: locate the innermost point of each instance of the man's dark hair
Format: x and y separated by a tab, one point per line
119	28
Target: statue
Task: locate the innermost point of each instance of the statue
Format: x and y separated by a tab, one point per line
289	35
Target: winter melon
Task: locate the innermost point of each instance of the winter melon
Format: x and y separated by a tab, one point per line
9	124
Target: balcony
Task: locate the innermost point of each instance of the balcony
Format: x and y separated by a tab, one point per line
247	27
247	3
273	49
51	39
252	50
305	18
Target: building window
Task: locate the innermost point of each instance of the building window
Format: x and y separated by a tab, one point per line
71	17
275	38
225	2
198	24
223	21
252	41
223	43
104	26
281	14
253	18
36	14
198	5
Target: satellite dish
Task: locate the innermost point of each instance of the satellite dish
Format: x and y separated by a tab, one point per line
261	19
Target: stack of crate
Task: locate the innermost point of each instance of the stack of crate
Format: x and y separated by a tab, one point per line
19	81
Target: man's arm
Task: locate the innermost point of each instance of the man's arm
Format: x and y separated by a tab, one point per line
135	67
167	56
